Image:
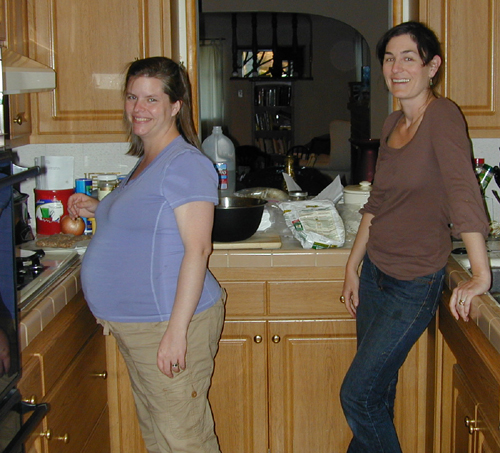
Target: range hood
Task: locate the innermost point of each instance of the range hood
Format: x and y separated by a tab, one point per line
23	75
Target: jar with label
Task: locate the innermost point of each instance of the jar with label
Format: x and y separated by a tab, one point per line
105	184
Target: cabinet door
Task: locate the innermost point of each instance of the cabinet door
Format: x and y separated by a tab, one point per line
308	361
464	409
307	364
78	401
19	104
89	43
238	395
486	443
469	34
469	432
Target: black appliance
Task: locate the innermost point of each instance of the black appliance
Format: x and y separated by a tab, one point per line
12	430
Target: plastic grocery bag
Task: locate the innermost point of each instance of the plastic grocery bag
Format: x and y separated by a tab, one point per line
316	224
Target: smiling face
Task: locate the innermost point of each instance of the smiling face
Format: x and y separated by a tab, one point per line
149	110
404	71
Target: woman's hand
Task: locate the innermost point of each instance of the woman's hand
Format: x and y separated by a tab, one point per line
81	205
172	352
461	297
350	292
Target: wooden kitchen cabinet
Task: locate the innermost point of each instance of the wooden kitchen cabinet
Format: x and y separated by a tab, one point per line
286	345
469	35
16	39
89	44
467	388
65	365
308	344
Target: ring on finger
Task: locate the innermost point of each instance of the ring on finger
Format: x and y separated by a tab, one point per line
342	299
175	365
461	302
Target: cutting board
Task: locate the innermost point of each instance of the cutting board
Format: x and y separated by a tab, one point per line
257	241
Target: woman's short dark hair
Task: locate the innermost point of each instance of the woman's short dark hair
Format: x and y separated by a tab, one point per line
175	85
428	44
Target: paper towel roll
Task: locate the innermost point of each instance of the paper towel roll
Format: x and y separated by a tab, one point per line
57	172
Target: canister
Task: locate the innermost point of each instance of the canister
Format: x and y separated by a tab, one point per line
50	207
105	184
358	194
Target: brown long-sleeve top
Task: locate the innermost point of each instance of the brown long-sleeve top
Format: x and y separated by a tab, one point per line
423	193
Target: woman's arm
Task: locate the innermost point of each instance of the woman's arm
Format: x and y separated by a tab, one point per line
351	282
480	282
195	221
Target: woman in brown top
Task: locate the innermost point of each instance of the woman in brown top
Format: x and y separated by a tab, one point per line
424	192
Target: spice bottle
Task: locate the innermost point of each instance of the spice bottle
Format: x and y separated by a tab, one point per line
105	184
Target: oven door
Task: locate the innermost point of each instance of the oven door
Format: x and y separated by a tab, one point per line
13	433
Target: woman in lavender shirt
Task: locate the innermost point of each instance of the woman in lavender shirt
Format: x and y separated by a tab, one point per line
145	274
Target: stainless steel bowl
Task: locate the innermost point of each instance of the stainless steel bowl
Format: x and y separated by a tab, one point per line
237	218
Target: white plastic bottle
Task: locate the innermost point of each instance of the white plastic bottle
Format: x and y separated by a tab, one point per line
220	150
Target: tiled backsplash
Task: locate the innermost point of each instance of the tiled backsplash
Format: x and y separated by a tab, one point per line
89	158
111	157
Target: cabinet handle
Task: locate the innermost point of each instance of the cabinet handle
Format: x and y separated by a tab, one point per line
470	424
30	400
19	119
48	435
257	339
103	375
276	339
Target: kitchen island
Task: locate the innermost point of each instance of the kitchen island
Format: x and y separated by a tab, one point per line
285	348
286	345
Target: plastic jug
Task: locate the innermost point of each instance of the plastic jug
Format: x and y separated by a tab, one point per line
220	150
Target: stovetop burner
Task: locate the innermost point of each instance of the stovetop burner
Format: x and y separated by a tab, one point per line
38	269
29	268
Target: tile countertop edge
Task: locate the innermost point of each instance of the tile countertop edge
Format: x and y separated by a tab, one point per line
485	311
46	309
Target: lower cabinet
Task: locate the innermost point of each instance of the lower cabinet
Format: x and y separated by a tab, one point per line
65	366
276	382
468	388
276	385
286	345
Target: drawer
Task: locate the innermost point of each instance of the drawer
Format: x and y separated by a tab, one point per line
78	399
245	298
306	298
63	337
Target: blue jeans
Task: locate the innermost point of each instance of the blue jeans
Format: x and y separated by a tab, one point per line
391	316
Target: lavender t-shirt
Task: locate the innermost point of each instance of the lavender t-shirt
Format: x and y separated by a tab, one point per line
131	267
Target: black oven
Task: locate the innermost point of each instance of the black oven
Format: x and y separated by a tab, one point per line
12	431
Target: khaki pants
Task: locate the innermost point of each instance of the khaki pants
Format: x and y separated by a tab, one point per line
174	414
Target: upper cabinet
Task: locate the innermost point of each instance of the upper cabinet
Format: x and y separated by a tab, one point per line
14	34
469	34
89	44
